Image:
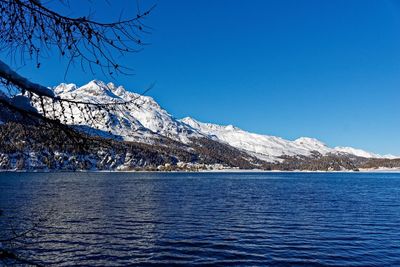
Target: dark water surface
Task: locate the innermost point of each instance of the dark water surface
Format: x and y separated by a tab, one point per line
279	219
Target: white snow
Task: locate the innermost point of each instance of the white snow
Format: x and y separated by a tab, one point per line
263	146
268	147
363	153
145	120
357	152
141	120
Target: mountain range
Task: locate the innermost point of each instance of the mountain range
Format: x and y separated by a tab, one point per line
141	120
144	120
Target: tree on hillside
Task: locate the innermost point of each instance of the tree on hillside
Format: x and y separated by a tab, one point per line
30	31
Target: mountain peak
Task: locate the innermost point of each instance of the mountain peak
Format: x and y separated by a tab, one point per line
189	121
97	82
117	90
96	88
64	87
97	85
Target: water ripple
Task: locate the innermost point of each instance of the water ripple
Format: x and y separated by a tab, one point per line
120	219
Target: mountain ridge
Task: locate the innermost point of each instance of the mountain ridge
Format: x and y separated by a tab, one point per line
145	120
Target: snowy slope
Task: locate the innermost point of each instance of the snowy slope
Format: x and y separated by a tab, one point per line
141	120
362	153
269	147
357	152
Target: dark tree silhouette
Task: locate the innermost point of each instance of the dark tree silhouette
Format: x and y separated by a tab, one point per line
32	31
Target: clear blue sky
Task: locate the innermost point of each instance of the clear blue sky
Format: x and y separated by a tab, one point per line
324	69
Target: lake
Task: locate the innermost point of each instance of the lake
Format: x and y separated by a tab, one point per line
279	219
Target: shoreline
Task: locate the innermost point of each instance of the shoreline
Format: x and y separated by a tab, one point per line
378	170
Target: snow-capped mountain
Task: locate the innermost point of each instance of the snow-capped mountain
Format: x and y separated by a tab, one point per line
143	120
357	152
268	147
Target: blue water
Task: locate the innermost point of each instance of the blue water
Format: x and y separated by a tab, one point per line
279	219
